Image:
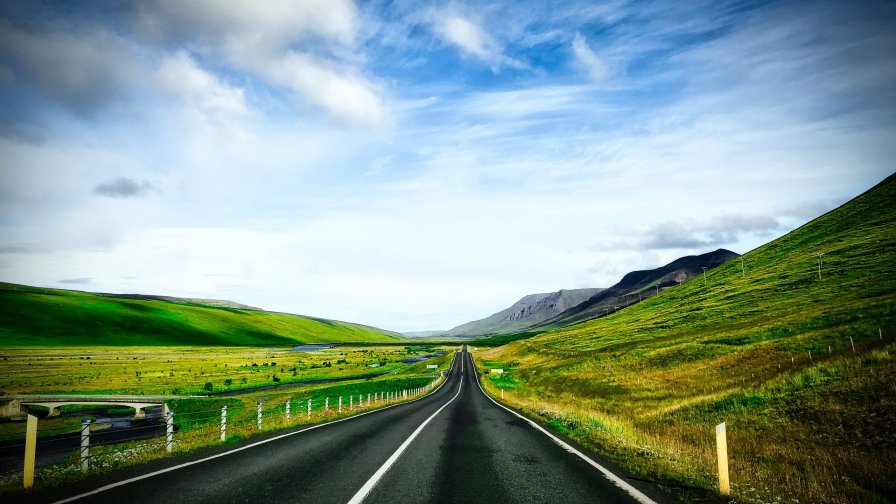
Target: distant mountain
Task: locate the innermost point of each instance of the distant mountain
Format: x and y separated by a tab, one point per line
218	303
637	285
526	312
424	334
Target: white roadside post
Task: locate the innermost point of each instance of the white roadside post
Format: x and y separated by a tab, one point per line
224	423
287	410
309	408
340	405
351	402
722	450
169	432
85	445
360	400
258	421
368	399
327	404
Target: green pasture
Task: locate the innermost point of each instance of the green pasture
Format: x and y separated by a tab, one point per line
799	366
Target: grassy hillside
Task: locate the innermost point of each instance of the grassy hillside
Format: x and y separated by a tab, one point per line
32	316
769	352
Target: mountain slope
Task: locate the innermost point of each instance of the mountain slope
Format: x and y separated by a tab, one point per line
526	312
31	316
638	284
797	354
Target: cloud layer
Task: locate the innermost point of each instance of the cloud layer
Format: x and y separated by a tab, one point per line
415	166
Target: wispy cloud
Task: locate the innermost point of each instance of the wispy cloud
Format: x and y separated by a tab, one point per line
76	281
720	230
124	188
588	61
466	34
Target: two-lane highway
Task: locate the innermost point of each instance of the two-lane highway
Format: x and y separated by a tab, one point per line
455	445
477	451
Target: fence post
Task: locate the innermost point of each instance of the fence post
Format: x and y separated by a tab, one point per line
224	423
368	399
258	420
339	410
169	431
360	400
287	410
309	408
502	393
85	444
351	402
722	451
30	449
327	404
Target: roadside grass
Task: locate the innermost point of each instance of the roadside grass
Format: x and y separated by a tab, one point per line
197	421
769	351
33	316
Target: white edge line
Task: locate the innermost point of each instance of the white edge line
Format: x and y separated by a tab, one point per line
241	448
378	475
634	492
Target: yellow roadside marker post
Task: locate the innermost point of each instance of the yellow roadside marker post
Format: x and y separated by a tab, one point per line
30	449
722	449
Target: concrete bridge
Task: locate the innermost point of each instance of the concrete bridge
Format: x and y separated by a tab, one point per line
15	406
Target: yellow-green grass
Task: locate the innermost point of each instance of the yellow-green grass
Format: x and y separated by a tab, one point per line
190	370
197	420
31	316
649	383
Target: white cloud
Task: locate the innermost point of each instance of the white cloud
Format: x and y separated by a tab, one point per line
465	34
179	75
344	92
264	38
588	61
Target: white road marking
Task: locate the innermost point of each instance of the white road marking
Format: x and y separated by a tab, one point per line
634	492
235	450
378	475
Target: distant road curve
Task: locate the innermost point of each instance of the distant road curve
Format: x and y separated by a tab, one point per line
455	445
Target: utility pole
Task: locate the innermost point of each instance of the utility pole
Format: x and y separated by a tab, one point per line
704	275
742	270
818	256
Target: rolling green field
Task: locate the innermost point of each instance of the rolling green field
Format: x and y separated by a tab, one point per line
205	371
186	370
800	366
31	316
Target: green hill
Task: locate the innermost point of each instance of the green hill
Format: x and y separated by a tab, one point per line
801	368
31	316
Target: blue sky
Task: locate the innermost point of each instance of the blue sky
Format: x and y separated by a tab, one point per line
417	165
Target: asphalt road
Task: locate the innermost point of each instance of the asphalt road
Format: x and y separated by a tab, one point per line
455	445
